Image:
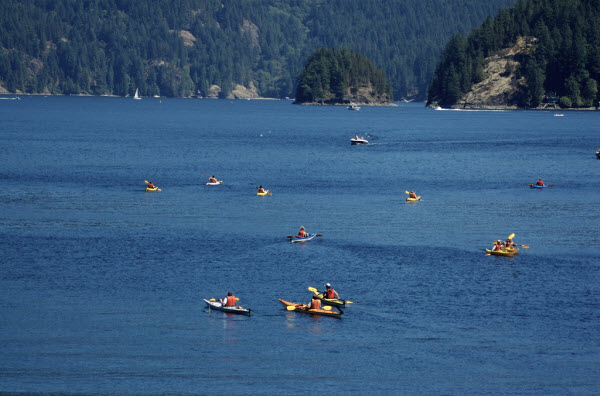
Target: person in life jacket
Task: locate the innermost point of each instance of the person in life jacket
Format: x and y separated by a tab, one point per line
150	185
315	303
302	233
412	195
228	301
497	246
330	292
539	182
261	189
509	243
212	179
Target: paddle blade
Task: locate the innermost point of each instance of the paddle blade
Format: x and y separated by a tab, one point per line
290	308
511	236
212	300
237	299
349	302
406	192
146	181
290	237
313	289
525	246
327	308
159	189
319	235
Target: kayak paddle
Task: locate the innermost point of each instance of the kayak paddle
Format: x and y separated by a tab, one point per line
313	289
511	236
290	308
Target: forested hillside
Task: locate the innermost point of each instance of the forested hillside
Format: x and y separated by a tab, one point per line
207	47
340	77
563	64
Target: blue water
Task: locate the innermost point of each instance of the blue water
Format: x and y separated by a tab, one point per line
102	283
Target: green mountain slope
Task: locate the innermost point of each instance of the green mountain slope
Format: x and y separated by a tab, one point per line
208	47
560	60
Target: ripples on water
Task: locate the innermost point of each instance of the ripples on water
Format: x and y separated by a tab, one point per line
103	283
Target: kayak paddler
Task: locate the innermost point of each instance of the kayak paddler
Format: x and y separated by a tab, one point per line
330	292
212	179
302	233
315	303
497	245
261	189
412	195
539	182
228	301
150	184
509	243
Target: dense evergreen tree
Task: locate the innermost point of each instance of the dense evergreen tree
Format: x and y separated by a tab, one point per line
337	76
565	60
184	47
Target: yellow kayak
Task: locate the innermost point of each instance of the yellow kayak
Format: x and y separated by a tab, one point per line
262	194
505	253
413	199
148	189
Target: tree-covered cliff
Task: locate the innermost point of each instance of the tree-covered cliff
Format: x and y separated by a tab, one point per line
342	76
562	63
207	47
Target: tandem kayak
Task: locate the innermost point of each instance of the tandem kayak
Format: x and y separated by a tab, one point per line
303	308
216	305
409	199
148	189
215	183
505	253
303	239
262	194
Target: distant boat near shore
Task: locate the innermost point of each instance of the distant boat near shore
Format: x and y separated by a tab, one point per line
137	95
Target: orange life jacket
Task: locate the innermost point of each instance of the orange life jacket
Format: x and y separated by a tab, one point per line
330	293
230	301
413	195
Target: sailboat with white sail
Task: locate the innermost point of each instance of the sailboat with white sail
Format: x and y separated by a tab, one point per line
137	95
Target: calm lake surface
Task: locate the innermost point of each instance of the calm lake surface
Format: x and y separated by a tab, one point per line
102	283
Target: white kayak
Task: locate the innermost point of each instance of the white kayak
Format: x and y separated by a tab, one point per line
216	305
303	239
215	183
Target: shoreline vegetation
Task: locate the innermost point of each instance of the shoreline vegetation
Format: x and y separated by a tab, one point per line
536	54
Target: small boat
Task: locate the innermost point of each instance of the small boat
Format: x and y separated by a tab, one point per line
504	253
148	189
358	140
301	239
217	306
538	186
559	115
353	107
137	96
262	194
409	199
303	308
215	183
